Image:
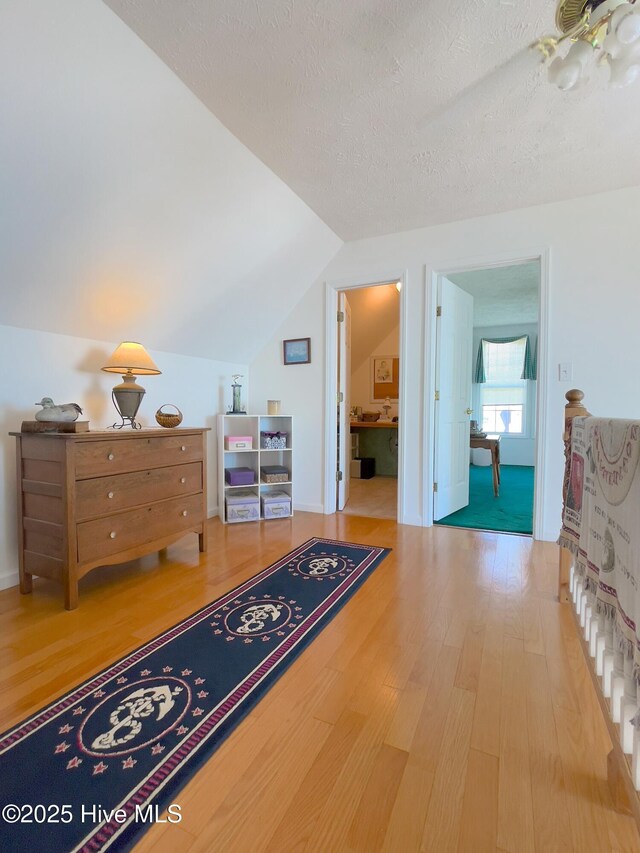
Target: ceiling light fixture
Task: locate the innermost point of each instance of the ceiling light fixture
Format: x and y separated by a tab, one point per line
602	31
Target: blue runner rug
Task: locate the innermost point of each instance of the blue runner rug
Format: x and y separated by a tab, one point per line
95	768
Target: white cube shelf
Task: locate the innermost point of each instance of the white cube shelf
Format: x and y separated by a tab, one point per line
254	458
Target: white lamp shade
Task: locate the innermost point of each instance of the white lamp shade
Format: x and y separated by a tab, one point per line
623	72
131	357
625	23
564	74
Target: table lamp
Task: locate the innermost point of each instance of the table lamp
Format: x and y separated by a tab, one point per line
129	359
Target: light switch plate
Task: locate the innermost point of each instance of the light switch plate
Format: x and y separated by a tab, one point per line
565	371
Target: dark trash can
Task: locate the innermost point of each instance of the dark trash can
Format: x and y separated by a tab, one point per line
367	467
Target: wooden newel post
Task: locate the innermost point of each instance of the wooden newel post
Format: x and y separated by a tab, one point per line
573	409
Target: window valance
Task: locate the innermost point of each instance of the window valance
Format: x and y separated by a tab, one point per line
505	364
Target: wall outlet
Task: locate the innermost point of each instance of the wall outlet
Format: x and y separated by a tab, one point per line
565	371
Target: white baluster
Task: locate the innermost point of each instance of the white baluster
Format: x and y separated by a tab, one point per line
577	598
593	637
583	609
629	710
617	695
600	647
607	674
635	761
588	616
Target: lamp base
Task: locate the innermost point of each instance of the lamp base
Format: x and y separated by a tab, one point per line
126	399
126	422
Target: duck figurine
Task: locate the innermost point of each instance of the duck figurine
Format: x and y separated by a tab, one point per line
65	413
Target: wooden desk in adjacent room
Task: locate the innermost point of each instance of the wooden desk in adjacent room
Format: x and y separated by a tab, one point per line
492	444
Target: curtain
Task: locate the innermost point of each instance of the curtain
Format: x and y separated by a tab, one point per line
529	359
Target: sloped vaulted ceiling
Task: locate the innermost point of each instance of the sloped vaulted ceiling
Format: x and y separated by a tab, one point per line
126	209
387	115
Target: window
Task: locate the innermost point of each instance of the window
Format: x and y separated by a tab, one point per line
506	416
503	394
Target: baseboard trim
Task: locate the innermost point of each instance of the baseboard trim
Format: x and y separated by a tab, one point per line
319	508
9	579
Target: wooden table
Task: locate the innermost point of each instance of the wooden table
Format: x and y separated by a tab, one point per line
492	444
374	424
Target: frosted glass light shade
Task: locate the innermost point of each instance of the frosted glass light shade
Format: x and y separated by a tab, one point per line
625	23
623	72
563	74
131	357
604	30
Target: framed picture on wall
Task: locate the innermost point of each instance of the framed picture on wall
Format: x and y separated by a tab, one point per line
385	378
297	351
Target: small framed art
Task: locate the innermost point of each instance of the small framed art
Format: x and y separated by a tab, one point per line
297	351
385	378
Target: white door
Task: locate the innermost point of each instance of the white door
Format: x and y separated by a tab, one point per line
453	393
344	406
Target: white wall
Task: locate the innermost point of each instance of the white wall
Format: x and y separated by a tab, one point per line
300	387
361	377
127	210
514	449
593	304
39	364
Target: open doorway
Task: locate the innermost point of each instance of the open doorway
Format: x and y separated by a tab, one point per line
496	455
368	376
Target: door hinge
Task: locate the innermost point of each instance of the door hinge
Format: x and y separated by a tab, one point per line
339	476
439	311
435	487
340	397
437	395
340	316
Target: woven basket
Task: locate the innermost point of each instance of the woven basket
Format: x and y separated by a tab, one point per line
169	419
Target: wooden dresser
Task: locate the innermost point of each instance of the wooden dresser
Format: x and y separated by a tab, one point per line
98	498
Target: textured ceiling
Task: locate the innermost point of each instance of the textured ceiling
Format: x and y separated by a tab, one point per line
502	296
385	115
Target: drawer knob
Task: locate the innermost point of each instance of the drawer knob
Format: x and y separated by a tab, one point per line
109	495
184	512
111	457
183	448
183	479
112	535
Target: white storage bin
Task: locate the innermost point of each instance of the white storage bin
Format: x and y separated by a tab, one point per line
243	505
273	440
481	456
276	505
238	442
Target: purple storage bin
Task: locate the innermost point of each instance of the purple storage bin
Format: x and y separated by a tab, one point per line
240	476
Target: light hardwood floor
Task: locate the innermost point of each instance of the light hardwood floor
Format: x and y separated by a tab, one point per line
374	498
447	707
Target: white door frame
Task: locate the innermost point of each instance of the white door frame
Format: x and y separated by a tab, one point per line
331	381
431	296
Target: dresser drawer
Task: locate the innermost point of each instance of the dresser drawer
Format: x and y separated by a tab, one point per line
104	495
101	458
105	536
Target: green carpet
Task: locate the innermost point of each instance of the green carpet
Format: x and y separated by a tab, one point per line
511	512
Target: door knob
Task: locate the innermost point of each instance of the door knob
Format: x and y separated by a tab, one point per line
469	411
